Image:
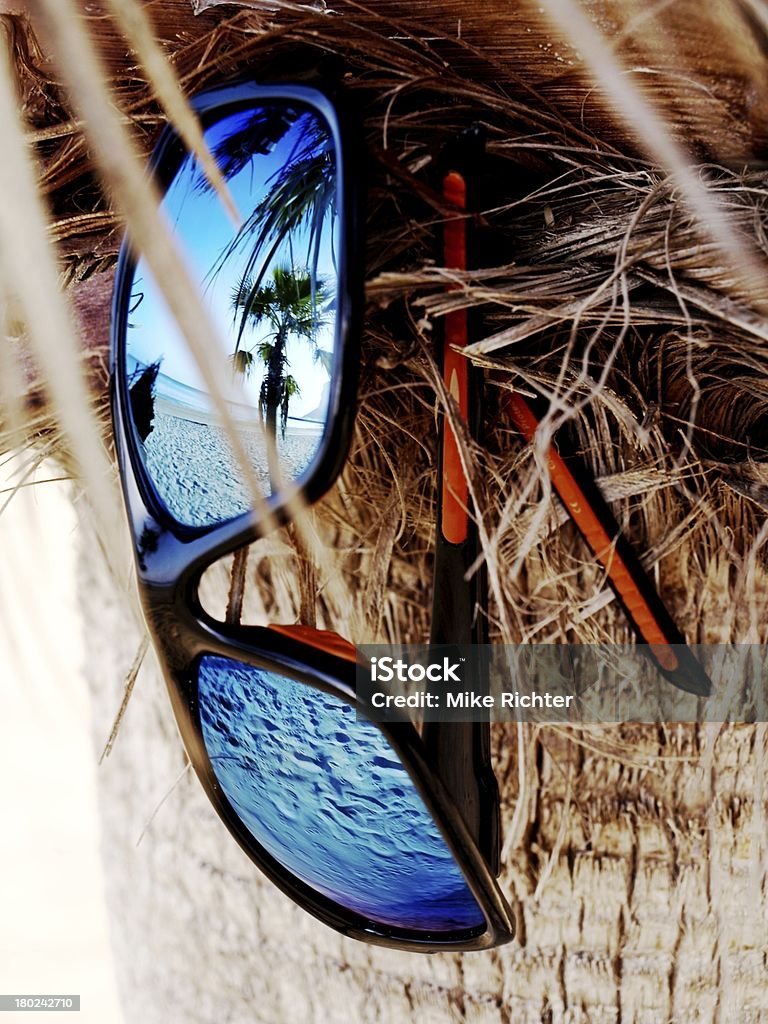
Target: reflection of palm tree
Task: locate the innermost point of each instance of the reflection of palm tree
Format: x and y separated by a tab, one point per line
300	195
141	394
256	134
289	304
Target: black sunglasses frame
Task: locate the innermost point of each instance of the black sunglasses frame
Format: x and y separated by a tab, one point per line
166	159
171	559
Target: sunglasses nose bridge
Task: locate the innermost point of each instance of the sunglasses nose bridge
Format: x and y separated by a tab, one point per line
169	592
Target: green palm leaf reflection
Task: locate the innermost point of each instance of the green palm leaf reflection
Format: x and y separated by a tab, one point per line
288	305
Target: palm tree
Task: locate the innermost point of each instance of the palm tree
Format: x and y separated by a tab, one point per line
289	304
299	198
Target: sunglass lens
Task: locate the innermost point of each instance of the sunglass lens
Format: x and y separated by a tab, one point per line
325	794
271	287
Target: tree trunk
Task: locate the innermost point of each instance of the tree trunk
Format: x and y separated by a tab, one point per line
272	394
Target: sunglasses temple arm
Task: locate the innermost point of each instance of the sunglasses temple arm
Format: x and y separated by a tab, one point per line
460	750
650	619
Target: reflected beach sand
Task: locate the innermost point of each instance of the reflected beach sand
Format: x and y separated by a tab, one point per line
190	460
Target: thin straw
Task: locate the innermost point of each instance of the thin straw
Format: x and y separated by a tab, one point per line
139	199
163	78
32	277
646	124
123	171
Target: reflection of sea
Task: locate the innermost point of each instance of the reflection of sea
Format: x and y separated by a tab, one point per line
193	468
173	398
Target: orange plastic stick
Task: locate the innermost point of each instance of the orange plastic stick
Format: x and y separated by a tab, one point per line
597	537
321	639
455	497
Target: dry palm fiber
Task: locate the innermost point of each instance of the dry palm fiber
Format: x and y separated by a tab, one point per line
663	351
684	397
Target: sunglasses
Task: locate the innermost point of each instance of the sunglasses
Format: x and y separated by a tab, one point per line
382	832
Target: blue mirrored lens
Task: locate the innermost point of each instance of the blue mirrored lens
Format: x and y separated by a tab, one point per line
271	286
326	795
